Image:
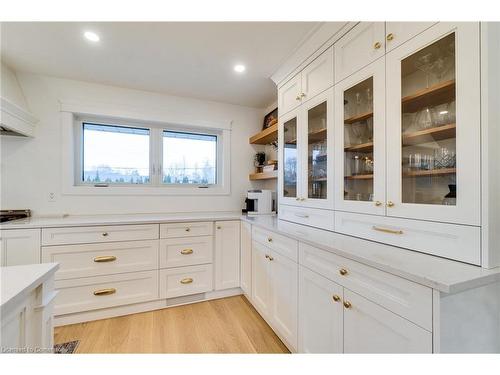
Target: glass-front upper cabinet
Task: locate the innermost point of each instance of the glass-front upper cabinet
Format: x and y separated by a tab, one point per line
317	131
288	158
433	125
360	141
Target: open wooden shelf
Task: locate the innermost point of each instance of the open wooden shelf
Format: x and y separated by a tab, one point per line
428	135
317	135
266	136
321	179
442	92
360	177
263	176
431	172
357	118
363	147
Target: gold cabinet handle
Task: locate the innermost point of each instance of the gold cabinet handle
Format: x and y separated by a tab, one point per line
186	251
390	37
343	271
297	199
187	280
297	97
302	94
188	229
387	230
105	258
336	298
104	292
105	234
347	304
390	204
378	203
219	227
377	45
269	239
270	258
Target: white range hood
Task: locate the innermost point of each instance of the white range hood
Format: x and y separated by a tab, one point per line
14	120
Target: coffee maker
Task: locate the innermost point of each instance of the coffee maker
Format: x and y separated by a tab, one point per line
259	202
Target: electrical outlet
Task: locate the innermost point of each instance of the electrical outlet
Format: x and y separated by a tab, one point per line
52	197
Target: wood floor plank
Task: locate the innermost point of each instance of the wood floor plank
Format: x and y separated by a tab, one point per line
227	325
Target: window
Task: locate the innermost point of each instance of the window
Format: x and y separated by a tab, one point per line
115	154
189	158
172	159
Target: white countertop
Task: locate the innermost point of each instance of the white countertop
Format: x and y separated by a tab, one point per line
438	273
90	220
19	281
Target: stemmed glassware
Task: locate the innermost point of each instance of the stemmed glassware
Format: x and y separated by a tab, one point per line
424	63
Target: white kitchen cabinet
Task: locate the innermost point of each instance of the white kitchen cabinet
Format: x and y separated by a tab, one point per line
246	258
227	254
369	328
358	48
317	76
261	284
320	314
305	152
289	95
19	246
398	33
360	141
433	126
283	297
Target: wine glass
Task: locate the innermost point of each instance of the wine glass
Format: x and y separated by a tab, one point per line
424	118
358	129
369	99
358	103
424	63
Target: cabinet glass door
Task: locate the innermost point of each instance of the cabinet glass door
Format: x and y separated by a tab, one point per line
290	158
360	141
317	142
437	127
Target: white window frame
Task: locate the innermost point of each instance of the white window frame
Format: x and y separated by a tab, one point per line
72	126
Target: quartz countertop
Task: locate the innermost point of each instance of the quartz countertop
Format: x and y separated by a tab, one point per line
19	281
442	274
90	220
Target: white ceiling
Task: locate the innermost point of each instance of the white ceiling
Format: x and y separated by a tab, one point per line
187	59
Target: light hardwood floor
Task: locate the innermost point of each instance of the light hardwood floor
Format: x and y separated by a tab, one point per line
227	325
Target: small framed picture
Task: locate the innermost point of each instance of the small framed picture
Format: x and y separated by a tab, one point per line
270	119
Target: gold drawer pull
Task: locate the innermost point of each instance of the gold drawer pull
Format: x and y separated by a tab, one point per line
186	251
386	230
105	234
104	292
347	304
343	271
336	298
105	258
188	229
187	280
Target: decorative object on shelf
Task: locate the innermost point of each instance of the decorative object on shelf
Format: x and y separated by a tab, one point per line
270	119
450	199
444	158
259	159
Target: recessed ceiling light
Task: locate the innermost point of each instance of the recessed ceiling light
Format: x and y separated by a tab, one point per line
239	68
90	35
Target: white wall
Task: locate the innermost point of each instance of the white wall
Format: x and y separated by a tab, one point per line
9	87
31	168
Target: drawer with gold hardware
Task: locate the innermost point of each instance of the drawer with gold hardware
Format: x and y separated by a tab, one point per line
99	292
189	251
314	217
104	233
281	244
173	230
183	281
459	242
102	258
404	297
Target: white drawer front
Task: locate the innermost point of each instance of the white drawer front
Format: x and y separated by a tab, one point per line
173	230
100	292
104	233
281	244
459	242
403	297
178	252
183	281
308	216
102	258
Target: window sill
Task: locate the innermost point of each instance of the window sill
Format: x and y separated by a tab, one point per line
145	190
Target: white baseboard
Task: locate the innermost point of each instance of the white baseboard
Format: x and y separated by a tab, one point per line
135	308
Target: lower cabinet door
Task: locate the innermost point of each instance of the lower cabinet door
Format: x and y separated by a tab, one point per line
369	328
227	254
283	296
260	278
320	314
